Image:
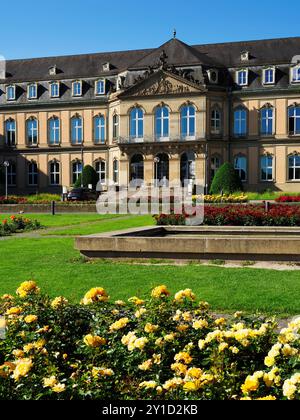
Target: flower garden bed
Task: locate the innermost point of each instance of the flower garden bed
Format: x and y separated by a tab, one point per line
18	225
246	215
288	199
162	348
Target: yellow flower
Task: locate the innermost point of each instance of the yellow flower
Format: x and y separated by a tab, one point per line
148	385
94	341
169	337
119	325
179	368
59	388
18	353
27	288
159	292
96	372
251	384
150	329
136	301
223	347
183	357
49	382
220	321
269	361
58	302
182	328
146	365
289	351
192	386
97	294
234	350
14	311
173	384
30	319
140	343
140	312
120	303
185	295
289	389
269	398
194	373
6	369
200	324
157	359
22	369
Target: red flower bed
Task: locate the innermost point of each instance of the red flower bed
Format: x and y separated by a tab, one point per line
288	199
13	200
248	215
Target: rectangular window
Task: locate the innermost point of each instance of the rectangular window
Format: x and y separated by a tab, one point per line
54	131
294	168
101	171
99	129
294	121
77	88
240	165
240	122
32	91
266	168
54	90
54	173
77	130
10	132
12	175
242	78
100	87
267	121
269	76
32	174
32	132
11	93
115	127
296	74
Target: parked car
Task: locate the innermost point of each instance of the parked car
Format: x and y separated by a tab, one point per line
82	194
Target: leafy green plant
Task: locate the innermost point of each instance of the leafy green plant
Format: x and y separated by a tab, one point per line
226	181
88	177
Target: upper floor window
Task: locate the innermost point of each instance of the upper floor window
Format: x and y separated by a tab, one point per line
10	132
54	90
267	121
269	76
76	171
100	168
162	117
240	165
77	88
32	132
294	120
137	123
215	122
54	173
32	91
12	174
266	168
54	131
11	93
294	168
77	130
188	122
295	74
100	87
99	129
240	122
115	126
242	77
32	174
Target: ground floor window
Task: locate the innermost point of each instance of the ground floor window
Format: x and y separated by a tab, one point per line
116	171
137	168
76	171
161	163
12	174
101	171
294	168
240	165
32	174
54	173
187	167
215	164
266	168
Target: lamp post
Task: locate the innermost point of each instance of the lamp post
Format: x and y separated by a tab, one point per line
156	161
6	165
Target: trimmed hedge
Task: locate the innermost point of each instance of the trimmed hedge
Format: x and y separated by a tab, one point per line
226	180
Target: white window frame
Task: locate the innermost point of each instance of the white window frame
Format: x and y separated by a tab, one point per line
36	129
266	167
10	143
134	122
76	94
268	119
31	174
213	121
294	167
246	71
56	132
116	126
35	86
55	173
76	141
240	169
295	68
96	87
188	119
101	171
100	126
14	93
160	136
76	172
265	81
58	89
116	171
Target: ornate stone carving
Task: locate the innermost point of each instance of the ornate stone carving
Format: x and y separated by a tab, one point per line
164	86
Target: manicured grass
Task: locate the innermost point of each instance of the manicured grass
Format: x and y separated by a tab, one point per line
59	270
269	195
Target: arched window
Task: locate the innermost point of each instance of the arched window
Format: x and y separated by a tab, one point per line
137	123
10	132
294	168
215	122
115	127
161	162
215	164
32	132
240	165
267	121
54	173
54	131
188	122
99	129
116	171
76	170
240	122
294	120
12	174
187	168
77	130
137	168
162	122
100	168
266	168
32	174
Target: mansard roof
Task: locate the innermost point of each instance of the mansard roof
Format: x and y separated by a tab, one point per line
227	55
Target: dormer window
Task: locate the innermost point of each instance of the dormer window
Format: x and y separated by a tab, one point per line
213	76
245	55
295	74
242	77
106	67
11	93
32	91
77	88
100	87
269	76
54	90
52	70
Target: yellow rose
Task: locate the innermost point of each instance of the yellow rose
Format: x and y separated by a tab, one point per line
30	319
159	292
58	302
94	341
22	369
150	329
146	365
183	357
59	388
49	382
269	361
119	325
185	295
97	294
14	311
148	385
200	324
251	384
26	288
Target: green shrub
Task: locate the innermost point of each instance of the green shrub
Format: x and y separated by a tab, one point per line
89	177
226	180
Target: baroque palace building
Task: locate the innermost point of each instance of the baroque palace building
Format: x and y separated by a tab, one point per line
172	113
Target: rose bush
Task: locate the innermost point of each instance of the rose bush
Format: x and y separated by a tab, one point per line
161	348
18	224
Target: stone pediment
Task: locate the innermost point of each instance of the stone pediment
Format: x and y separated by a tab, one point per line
163	83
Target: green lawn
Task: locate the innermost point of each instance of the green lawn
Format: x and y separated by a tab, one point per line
58	268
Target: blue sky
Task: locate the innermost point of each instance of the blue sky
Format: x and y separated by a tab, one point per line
34	28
